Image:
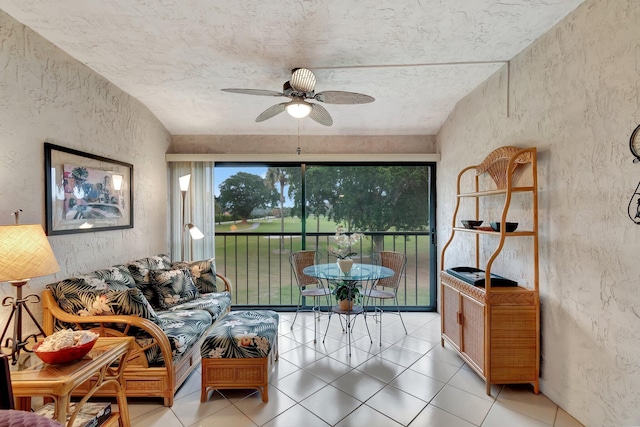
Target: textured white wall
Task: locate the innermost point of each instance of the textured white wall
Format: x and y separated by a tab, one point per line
45	95
575	95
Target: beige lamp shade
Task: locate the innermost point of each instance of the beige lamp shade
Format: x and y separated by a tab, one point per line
25	253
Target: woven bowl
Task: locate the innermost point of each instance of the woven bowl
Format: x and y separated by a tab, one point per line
64	355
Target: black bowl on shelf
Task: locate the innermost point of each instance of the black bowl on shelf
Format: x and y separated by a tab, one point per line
509	226
471	223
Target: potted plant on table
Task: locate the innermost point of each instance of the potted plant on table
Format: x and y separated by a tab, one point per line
342	249
346	292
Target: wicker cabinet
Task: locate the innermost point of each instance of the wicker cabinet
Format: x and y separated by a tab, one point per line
495	329
463	324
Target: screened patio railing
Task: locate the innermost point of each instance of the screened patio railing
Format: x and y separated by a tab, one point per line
258	265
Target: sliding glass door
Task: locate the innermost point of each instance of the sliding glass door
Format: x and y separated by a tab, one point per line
265	212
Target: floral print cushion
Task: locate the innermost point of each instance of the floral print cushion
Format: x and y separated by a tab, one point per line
173	287
116	275
99	302
156	262
203	272
140	269
216	303
127	290
183	328
65	292
242	334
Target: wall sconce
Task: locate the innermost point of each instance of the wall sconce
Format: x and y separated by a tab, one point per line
634	206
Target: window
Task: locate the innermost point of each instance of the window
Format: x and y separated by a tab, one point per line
265	212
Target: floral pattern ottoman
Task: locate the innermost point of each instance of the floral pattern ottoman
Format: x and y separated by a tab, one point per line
239	352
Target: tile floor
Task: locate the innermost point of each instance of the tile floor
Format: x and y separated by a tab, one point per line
409	380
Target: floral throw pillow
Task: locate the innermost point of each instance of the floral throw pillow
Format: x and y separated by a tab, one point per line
116	275
66	291
110	302
140	269
203	273
173	287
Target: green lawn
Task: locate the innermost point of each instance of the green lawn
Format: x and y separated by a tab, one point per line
273	225
259	266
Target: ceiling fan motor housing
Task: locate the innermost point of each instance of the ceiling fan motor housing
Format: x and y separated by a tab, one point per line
289	91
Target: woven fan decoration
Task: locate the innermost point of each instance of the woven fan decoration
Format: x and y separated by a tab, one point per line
496	163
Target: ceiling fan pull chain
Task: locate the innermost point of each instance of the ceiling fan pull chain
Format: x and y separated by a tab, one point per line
298	150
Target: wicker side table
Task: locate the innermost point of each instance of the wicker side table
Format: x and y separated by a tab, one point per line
32	377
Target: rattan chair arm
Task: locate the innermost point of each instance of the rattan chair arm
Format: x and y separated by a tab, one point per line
226	281
52	311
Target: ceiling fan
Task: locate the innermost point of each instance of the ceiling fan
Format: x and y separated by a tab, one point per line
300	88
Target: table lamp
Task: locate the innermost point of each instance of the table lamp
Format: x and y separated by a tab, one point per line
24	253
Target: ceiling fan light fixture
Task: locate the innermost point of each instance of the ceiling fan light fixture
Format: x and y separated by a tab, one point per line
298	109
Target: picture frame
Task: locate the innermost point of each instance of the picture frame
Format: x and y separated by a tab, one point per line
85	192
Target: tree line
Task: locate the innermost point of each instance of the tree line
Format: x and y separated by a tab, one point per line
364	198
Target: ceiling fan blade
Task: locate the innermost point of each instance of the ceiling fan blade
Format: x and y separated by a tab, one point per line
303	80
320	115
274	110
260	92
340	97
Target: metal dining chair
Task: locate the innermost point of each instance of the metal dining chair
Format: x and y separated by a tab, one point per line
309	286
387	288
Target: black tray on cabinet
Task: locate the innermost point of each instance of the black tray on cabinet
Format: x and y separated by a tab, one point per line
476	277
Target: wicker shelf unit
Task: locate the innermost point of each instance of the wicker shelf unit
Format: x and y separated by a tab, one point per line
496	330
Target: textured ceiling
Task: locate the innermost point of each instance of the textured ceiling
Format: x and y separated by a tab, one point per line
416	58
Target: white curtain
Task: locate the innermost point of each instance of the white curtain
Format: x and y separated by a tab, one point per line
199	209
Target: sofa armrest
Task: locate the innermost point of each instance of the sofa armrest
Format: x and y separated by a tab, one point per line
227	283
51	311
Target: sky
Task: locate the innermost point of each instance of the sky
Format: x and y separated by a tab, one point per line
220	173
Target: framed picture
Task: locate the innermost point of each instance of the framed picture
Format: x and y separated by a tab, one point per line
85	192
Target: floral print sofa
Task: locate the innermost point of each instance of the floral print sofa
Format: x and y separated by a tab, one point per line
168	308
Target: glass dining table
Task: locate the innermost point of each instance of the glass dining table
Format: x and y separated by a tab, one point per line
363	275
